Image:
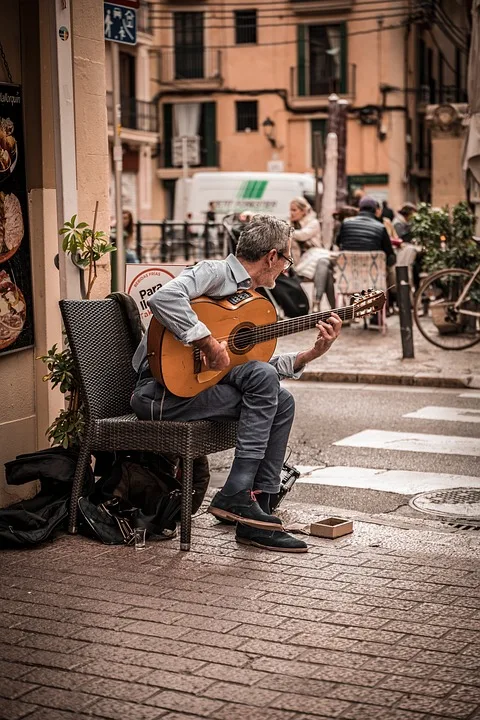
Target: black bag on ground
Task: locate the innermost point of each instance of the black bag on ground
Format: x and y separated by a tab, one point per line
289	294
138	488
31	521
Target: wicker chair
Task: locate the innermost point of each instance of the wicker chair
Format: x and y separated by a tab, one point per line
102	347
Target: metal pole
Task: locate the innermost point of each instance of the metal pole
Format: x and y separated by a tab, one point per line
139	241
118	166
342	191
317	154
405	311
184	173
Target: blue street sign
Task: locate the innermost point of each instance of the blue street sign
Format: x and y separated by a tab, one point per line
120	24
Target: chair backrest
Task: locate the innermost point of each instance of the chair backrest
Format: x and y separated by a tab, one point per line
356	271
102	347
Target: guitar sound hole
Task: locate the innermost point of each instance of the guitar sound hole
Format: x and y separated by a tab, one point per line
242	340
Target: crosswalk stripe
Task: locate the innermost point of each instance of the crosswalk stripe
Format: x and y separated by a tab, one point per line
436	412
470	394
413	442
404	482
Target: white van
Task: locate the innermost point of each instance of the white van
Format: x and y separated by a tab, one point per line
236	191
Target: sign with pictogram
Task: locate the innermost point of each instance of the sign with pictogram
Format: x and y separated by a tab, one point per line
120	23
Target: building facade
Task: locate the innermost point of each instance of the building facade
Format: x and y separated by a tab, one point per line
251	82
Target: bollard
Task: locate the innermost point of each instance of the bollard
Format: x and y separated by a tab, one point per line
405	310
139	241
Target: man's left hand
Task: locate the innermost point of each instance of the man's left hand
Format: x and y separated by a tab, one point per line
327	334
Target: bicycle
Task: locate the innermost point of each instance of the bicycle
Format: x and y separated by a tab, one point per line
446	308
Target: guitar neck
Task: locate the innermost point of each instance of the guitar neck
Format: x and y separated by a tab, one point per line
263	333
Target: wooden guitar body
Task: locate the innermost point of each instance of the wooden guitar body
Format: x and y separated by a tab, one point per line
181	369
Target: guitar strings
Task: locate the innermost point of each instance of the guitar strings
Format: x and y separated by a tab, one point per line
296	323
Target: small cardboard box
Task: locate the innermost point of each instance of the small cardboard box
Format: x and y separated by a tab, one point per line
331	527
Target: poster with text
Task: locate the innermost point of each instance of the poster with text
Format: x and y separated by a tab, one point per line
142	281
16	297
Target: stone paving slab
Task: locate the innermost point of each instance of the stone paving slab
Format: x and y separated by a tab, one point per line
384	623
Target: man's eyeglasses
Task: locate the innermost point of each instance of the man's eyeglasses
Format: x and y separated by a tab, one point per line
288	260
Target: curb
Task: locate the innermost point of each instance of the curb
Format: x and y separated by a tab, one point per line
376	378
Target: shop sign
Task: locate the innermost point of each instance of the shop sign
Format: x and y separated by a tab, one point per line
16	297
142	281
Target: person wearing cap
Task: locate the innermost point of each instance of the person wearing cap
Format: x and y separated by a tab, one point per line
364	233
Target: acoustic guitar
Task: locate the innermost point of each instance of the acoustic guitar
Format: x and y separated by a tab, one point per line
249	324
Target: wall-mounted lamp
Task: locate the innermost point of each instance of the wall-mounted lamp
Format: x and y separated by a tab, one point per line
269	131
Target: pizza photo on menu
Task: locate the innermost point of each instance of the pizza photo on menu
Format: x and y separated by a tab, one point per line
11	225
8	148
12	311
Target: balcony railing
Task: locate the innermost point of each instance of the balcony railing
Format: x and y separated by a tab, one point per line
209	156
187	65
307	82
440	94
136	114
144	18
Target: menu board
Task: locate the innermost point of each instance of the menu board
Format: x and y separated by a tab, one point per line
16	298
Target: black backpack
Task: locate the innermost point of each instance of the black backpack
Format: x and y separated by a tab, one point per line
32	521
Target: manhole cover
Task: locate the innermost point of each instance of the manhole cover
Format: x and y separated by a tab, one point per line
456	502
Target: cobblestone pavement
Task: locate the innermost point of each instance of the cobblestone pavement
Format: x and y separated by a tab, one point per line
364	627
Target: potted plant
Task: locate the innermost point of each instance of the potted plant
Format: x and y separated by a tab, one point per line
446	238
86	246
446	241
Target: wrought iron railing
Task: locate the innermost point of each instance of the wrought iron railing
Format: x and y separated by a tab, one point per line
306	81
170	241
136	114
209	156
440	94
189	64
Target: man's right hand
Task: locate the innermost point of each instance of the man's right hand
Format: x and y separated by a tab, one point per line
214	353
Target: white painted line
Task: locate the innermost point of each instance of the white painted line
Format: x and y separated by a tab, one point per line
404	482
436	412
470	394
413	442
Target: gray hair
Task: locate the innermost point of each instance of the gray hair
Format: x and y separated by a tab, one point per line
262	234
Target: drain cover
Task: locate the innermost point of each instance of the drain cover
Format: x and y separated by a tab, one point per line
457	502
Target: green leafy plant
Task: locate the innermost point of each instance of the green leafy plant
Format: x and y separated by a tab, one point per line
446	237
86	246
67	428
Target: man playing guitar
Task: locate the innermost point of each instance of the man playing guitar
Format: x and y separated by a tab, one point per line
249	392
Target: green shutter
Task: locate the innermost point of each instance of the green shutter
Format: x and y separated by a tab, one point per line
167	134
343	59
210	133
301	59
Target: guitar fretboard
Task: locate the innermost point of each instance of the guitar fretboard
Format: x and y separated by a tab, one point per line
263	333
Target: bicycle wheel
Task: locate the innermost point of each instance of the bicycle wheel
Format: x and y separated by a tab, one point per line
435	314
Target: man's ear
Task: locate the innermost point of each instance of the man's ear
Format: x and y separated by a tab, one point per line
271	256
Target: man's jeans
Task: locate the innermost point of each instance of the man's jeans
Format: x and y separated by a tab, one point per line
250	393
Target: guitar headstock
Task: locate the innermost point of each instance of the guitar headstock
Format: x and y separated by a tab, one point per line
367	302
